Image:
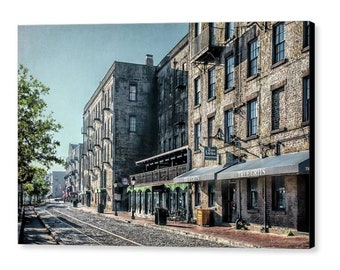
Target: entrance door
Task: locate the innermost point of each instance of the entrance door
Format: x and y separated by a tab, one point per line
231	203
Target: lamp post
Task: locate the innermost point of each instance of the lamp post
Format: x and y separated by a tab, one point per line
115	197
133	182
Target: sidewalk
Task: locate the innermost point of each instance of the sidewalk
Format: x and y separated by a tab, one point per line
225	234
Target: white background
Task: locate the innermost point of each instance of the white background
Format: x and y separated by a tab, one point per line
322	13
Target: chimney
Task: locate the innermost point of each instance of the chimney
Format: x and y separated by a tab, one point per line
149	60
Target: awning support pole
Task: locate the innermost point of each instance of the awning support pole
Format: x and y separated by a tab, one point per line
265	228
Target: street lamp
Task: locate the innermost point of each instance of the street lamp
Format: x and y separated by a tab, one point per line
115	197
133	182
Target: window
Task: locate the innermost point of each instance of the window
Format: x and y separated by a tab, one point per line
252	194
306	34
183	140
211	82
133	92
197	194
164	146
252	117
212	33
197	83
276	110
197	136
211	121
306	100
279	37
279	193
211	193
229	72
229	30
228	125
132	124
198	29
252	58
176	143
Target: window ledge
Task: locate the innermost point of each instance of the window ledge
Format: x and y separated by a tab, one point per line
229	89
197	151
305	123
212	98
197	106
305	49
253	211
279	63
275	131
252	77
252	137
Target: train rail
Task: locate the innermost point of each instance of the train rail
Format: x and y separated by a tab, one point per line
71	230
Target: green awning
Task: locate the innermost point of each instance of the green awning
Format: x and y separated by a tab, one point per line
138	189
172	187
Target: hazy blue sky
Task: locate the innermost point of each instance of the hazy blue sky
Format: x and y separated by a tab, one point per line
72	59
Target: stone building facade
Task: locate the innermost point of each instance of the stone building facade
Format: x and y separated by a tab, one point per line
73	177
118	128
57	182
249	94
154	187
222	127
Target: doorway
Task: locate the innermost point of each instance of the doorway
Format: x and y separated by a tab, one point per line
229	203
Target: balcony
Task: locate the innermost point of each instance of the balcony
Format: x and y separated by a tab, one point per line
83	131
207	46
160	175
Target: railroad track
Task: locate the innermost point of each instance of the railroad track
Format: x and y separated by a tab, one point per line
73	227
74	231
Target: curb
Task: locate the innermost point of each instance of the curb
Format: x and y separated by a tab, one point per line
186	233
53	234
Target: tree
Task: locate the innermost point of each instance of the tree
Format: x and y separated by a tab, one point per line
38	187
35	129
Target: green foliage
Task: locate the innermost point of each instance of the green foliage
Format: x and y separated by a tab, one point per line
38	187
35	129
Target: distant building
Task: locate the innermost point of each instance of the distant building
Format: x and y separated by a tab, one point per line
56	179
73	168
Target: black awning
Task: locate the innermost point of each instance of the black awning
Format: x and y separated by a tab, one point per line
292	163
199	174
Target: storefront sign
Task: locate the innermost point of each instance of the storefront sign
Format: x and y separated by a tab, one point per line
194	178
252	173
210	153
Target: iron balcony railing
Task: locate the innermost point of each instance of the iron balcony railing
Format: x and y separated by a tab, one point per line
164	174
210	37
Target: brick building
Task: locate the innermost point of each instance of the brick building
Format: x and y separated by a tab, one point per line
223	124
73	168
154	186
249	102
117	130
56	179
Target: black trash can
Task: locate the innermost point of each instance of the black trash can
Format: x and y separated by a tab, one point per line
100	208
75	203
161	215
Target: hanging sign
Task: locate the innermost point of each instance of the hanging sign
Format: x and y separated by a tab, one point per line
210	153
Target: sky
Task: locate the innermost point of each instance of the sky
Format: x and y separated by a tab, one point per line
72	59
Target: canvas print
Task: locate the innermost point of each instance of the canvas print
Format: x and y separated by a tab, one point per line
206	142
